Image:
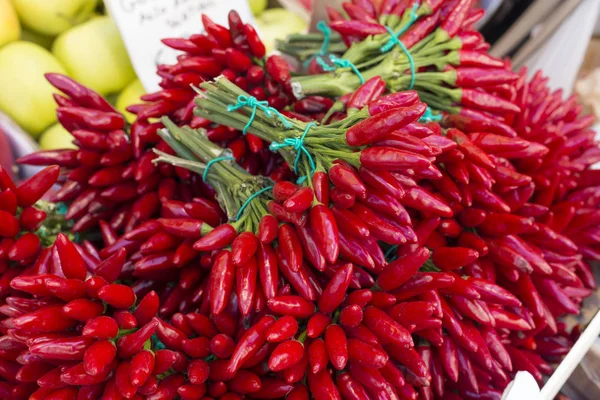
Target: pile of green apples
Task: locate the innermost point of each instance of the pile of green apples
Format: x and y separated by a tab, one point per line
77	38
72	37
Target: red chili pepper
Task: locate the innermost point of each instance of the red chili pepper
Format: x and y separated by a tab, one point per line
311	247
381	124
357	28
249	344
182	227
379	228
34	188
98	357
347	179
48	319
295	306
278	69
393	100
286	355
291	248
371	379
216	239
279	213
369	91
267	229
401	270
350	388
221	282
246	285
369	356
351	316
336	344
268	271
243	248
116	295
334	293
386	328
133	343
423	281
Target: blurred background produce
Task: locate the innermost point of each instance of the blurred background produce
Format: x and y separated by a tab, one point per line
79	39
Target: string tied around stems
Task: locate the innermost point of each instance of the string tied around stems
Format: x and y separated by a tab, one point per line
211	162
326	30
339	63
254	103
429	116
249	200
298	145
395	41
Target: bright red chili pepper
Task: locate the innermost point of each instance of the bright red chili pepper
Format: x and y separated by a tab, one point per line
286	355
250	342
284	328
222	280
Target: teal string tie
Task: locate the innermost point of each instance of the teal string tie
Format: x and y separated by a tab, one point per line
326	30
394	40
210	163
298	145
61	208
251	101
389	254
339	63
247	202
429	116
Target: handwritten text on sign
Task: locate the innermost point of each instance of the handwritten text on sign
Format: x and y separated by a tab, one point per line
143	23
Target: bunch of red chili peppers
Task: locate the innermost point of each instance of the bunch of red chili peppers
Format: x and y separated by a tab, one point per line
407	259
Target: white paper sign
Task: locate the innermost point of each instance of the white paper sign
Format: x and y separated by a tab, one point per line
143	23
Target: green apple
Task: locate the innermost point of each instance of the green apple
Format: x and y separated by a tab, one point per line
10	28
130	95
51	17
95	55
25	95
277	23
257	6
42	40
56	137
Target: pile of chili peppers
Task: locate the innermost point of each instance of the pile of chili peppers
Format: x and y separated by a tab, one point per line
364	247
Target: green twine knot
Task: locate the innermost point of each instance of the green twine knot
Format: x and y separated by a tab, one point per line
394	40
298	145
339	63
211	162
429	116
247	202
251	101
326	30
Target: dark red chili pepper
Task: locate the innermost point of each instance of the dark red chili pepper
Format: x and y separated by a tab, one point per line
133	343
381	124
369	356
401	270
448	258
221	282
291	248
286	355
34	188
295	306
311	247
250	342
347	179
216	239
98	357
386	328
361	28
351	315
